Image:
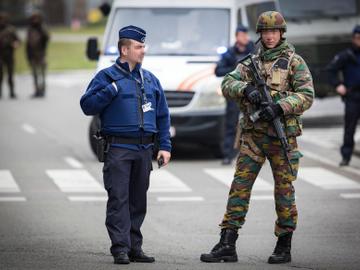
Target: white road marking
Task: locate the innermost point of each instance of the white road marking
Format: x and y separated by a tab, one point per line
87	199
330	162
226	175
261	197
28	128
326	179
73	162
7	182
350	195
75	181
12	199
329	138
164	181
180	199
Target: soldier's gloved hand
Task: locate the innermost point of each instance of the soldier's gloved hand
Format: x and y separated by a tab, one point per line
270	112
252	94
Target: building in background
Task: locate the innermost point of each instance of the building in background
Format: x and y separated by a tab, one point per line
57	12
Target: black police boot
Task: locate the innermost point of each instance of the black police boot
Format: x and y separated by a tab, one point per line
121	258
225	250
282	250
344	162
140	256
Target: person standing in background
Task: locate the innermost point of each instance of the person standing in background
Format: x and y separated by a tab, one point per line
36	44
9	41
228	63
347	63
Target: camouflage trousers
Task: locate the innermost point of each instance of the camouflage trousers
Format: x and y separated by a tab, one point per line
255	148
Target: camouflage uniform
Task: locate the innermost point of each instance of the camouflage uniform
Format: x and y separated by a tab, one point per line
8	38
290	83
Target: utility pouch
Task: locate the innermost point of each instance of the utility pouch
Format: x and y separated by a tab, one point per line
102	147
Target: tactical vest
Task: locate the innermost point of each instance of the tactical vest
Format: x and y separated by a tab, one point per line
125	113
277	75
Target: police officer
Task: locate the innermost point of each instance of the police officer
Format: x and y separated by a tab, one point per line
36	44
8	42
228	63
347	62
290	85
133	109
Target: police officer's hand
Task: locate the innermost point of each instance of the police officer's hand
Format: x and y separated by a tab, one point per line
341	90
270	112
165	156
252	94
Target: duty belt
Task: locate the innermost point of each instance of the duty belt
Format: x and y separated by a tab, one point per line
129	140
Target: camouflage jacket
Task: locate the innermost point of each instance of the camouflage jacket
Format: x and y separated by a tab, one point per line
290	84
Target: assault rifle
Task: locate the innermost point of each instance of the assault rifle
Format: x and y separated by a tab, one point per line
266	100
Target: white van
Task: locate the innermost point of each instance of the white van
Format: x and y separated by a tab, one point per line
184	41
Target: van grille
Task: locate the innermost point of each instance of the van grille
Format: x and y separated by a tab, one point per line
178	98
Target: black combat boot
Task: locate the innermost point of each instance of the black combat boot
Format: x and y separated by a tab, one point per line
225	250
121	258
282	250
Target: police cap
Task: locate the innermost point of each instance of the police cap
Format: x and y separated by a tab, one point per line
241	28
132	32
356	30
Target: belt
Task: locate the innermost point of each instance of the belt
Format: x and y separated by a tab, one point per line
129	140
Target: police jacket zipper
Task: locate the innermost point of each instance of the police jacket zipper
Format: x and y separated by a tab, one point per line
141	113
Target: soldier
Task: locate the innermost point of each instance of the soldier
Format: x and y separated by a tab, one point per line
347	62
132	108
290	84
9	41
36	44
228	63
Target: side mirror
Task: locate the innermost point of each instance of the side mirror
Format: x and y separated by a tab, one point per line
92	51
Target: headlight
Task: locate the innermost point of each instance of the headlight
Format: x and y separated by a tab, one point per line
209	99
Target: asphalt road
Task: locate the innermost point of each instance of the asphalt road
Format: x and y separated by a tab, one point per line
52	204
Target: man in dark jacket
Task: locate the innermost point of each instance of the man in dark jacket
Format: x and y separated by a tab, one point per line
9	41
36	44
133	109
228	63
347	62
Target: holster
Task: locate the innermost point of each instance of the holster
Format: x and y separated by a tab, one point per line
102	146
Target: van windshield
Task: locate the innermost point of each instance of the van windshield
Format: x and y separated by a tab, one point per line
175	31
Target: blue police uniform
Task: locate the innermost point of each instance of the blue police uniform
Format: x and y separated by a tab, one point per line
226	64
348	63
132	108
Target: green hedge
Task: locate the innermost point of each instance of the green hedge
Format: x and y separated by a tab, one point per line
60	56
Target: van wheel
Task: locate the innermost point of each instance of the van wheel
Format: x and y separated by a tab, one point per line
93	128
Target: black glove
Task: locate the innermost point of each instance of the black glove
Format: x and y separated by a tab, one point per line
252	94
270	112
